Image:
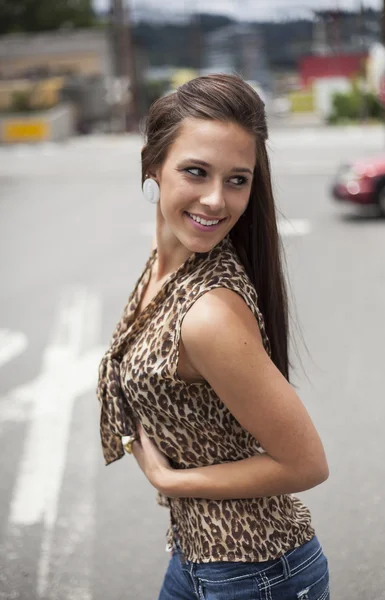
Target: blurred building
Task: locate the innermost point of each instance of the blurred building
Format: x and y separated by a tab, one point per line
313	59
376	67
71	66
286	42
78	52
313	68
345	32
238	48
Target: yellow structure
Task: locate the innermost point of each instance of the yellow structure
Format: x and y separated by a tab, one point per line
25	129
182	76
302	101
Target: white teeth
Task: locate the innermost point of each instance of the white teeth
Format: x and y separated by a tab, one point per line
203	221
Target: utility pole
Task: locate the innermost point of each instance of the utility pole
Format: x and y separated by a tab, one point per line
196	41
196	36
124	63
134	115
383	43
383	24
363	74
360	23
337	31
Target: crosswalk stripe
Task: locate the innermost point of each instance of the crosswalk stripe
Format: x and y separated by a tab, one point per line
294	227
69	548
69	370
12	344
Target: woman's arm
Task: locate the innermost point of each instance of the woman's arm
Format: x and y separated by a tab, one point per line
252	477
221	339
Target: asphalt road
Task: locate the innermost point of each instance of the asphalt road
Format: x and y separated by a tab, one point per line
74	234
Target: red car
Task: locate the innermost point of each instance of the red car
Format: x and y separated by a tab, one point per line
362	182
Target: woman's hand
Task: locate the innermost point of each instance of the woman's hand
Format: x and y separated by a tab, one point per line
154	464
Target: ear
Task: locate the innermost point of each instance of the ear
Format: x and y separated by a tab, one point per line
154	173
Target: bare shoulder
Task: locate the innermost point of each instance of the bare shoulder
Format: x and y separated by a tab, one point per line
218	316
224	346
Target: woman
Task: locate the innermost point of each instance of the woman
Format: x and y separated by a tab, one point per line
197	374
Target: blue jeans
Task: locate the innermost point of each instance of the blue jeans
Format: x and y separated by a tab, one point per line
300	574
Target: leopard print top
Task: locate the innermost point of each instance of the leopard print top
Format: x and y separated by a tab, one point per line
187	421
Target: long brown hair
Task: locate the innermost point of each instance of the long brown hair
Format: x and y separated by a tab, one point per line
255	235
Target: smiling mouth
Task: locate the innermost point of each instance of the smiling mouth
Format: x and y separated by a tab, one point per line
205	222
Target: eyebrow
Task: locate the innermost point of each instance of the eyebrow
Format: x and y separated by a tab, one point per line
203	163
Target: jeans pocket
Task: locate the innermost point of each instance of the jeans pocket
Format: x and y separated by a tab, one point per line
319	590
309	582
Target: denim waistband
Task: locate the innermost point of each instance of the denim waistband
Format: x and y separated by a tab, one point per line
273	571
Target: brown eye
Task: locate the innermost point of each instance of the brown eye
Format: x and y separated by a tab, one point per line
196	171
239	180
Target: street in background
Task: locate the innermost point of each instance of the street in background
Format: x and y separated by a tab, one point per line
75	85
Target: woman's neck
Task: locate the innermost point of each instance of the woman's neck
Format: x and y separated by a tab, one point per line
171	254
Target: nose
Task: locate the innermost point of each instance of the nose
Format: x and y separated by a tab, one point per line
214	197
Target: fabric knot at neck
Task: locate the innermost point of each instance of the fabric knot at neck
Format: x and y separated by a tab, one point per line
116	418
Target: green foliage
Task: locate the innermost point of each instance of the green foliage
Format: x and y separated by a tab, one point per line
375	108
21	102
355	105
44	15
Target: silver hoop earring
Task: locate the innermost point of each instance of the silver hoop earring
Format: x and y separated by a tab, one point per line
151	191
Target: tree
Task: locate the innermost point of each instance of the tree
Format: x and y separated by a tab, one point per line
44	15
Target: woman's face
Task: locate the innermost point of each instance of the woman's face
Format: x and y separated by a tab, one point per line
205	182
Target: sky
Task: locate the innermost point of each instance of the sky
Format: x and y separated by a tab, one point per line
242	9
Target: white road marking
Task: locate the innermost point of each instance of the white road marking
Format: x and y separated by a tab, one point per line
12	344
292	227
286	227
72	546
326	137
69	370
369	137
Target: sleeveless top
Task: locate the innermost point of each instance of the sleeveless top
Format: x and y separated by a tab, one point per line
138	382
